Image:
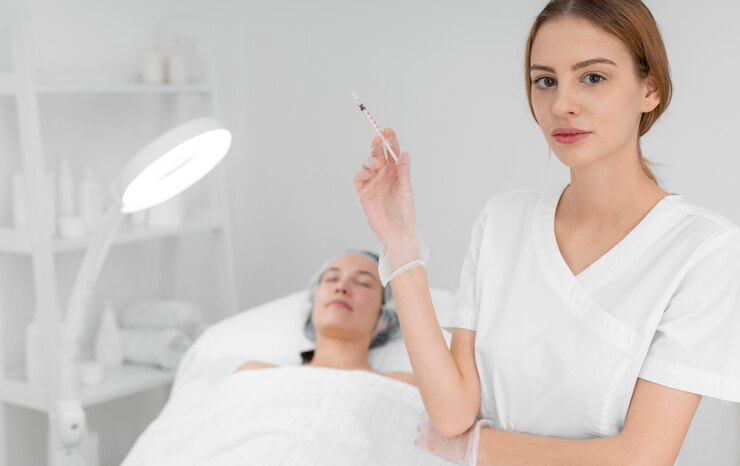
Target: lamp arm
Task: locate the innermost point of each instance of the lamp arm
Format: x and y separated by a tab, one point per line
78	309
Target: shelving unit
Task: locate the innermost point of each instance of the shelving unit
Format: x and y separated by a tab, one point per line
17	242
132	234
119	382
14	241
29	89
120	87
8	84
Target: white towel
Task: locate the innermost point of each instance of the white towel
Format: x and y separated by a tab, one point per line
163	314
158	347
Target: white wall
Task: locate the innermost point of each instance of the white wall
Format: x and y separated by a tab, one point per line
448	77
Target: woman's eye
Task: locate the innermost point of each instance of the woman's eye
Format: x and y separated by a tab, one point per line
331	279
365	284
544	82
592	78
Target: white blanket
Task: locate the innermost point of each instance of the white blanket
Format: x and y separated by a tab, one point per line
288	416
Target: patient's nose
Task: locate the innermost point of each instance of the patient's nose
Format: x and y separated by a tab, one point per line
341	287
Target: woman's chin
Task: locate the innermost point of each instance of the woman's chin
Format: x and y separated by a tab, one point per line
339	331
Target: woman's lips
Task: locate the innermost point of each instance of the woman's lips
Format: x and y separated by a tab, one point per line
340	303
570	138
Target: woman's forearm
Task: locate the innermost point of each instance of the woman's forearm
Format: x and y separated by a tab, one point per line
451	399
501	448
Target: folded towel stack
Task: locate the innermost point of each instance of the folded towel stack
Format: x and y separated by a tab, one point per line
159	332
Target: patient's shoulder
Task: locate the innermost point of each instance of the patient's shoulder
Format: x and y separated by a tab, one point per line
254	365
402	376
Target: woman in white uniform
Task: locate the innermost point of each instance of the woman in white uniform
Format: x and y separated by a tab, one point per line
589	320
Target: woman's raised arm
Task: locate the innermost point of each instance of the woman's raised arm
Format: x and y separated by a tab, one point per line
447	379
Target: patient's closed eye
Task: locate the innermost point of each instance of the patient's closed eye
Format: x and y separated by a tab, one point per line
364	282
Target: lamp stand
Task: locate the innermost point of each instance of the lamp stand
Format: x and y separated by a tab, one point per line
68	422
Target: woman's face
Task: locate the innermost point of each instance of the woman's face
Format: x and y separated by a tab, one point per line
585	78
348	298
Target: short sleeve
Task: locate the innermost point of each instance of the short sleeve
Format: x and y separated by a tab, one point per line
696	347
464	311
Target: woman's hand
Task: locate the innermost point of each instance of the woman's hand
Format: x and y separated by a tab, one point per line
461	449
384	191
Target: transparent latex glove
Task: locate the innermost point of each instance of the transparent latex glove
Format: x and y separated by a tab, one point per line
461	449
383	189
398	257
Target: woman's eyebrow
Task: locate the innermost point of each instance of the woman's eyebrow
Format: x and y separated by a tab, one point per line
365	272
577	66
330	270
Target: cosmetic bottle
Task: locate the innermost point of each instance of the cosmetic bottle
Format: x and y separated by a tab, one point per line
18	195
90	200
20	217
66	191
108	343
35	374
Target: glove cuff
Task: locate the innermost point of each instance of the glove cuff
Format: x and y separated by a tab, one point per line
396	258
471	456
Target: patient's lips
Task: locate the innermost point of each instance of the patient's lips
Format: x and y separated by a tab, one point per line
340	303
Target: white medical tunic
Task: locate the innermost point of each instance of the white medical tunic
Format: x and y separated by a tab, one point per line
559	354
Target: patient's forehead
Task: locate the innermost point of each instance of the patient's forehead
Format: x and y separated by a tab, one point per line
354	263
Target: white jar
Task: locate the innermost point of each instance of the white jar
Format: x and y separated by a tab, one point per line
152	69
177	69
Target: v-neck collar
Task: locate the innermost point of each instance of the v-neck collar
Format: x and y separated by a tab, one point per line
575	291
615	258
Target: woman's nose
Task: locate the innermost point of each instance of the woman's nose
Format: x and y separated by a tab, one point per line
341	287
566	103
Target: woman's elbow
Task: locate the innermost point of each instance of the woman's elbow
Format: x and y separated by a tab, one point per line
452	426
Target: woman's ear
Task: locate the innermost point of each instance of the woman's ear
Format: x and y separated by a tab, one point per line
651	95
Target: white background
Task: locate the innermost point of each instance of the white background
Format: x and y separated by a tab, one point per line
448	77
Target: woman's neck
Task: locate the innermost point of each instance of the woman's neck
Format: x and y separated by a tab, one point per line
611	188
340	354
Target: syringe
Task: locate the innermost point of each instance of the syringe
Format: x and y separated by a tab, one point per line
372	121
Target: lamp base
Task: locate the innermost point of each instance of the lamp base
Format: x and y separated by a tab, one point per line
67	428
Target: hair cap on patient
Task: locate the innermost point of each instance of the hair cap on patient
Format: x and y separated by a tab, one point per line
388	324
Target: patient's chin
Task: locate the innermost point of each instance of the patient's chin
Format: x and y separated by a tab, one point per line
340	331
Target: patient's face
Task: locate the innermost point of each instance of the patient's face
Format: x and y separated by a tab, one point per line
348	299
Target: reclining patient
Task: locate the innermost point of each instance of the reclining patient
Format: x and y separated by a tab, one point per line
334	409
351	312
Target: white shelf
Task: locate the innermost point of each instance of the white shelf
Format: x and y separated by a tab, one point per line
17	240
93	85
14	240
133	234
128	379
114	86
